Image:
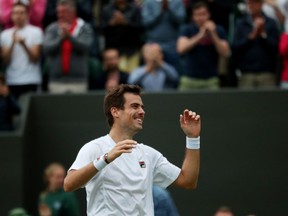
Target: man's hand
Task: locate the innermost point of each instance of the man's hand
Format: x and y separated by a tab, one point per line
210	26
190	123
64	29
17	39
118	18
125	146
44	210
4	90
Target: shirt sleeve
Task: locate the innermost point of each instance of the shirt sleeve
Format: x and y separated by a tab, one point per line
165	173
86	155
38	37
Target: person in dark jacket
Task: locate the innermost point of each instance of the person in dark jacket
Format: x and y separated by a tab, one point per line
256	47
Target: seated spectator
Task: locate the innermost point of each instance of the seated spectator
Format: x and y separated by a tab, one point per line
66	45
202	43
162	21
121	26
283	48
224	211
54	201
36	12
21	53
112	75
9	107
163	203
155	74
256	47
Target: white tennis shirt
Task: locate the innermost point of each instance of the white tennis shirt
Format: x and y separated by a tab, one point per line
124	187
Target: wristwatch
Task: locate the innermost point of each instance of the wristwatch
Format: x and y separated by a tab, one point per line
106	158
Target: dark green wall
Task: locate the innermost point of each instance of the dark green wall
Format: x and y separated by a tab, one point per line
244	161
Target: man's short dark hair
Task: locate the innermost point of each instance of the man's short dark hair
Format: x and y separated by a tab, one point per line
19	3
200	4
71	3
115	98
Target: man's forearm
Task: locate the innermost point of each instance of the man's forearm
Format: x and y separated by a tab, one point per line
7	53
33	53
184	45
222	46
190	168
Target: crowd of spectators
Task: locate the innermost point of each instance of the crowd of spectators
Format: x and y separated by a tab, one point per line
61	46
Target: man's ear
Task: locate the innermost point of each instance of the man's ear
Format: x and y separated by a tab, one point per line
114	112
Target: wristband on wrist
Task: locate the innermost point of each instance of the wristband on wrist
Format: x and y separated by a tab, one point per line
193	143
100	163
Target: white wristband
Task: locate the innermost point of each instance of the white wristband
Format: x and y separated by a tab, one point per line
193	143
100	163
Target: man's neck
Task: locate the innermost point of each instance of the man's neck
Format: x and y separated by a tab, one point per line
20	26
119	135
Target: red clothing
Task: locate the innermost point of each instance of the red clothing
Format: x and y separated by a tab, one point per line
67	49
283	49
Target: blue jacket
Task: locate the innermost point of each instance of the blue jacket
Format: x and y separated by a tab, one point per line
163	27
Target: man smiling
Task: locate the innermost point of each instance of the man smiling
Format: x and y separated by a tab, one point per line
118	173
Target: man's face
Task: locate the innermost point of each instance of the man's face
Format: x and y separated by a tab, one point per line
19	15
254	6
132	117
200	16
56	179
65	13
111	60
224	214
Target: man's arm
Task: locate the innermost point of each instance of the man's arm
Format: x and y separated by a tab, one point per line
191	125
77	178
185	44
221	45
34	52
7	53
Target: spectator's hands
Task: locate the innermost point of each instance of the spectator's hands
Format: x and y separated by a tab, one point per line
153	58
202	32
112	81
18	39
4	90
125	146
190	123
118	19
259	24
210	26
258	28
64	29
44	210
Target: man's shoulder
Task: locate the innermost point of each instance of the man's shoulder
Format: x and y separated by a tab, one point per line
7	31
189	28
52	26
33	30
97	141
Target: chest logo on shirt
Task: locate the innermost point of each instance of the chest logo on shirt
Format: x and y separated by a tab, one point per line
142	164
